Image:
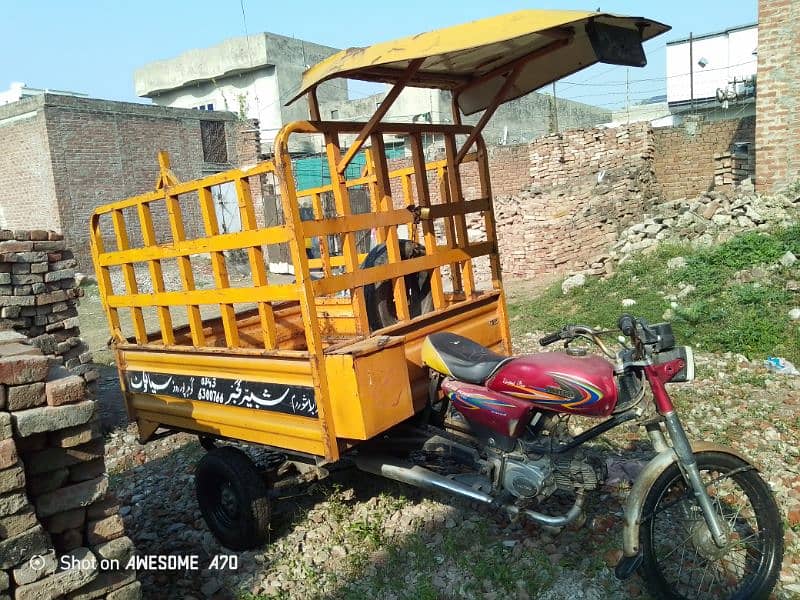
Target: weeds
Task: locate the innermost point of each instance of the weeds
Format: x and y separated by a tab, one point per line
723	313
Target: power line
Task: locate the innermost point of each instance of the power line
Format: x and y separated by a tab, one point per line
622	83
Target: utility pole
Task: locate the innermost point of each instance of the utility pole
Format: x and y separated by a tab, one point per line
555	109
691	71
628	93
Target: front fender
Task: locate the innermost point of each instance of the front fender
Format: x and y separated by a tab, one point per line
635	502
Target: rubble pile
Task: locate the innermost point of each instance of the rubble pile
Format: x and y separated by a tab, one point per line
39	297
60	532
711	217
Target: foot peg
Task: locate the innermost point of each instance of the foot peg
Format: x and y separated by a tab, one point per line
627	566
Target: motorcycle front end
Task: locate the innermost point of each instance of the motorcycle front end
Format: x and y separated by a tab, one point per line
700	522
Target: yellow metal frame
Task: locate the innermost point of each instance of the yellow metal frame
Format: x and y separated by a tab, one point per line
315	332
303	332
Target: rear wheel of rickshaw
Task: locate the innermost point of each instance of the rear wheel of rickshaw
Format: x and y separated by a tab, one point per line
234	498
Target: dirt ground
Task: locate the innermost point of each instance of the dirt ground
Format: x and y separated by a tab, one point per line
356	536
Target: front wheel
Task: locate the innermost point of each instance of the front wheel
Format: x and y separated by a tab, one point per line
680	558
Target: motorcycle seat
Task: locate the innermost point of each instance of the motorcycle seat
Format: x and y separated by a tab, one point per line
460	357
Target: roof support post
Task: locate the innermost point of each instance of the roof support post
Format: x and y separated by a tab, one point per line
313	104
511	71
390	98
511	77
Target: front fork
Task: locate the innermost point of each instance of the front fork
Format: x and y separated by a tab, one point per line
657	375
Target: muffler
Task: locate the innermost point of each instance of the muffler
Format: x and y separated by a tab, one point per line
405	472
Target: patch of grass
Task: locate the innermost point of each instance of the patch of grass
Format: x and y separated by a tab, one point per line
720	314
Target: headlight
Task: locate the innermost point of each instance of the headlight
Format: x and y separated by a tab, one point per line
683	352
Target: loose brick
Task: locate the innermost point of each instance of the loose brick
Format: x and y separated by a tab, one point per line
12	479
57	458
22	547
65	391
104	530
16	370
87	470
8	453
22	397
48	418
73	496
70	519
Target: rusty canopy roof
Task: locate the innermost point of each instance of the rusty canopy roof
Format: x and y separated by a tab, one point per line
473	58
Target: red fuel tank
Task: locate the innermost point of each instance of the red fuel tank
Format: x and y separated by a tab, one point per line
557	382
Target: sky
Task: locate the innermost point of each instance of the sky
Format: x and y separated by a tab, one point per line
94	46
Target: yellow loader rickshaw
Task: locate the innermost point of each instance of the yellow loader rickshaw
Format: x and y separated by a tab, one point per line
391	349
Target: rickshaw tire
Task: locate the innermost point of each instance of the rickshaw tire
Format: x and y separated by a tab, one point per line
379	297
228	470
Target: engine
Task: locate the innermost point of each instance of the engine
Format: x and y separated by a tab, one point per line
528	478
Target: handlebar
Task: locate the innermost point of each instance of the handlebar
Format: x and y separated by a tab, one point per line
627	325
550	338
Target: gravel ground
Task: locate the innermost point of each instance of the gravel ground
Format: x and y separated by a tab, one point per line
357	536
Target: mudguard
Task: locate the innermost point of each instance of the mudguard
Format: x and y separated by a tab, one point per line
641	487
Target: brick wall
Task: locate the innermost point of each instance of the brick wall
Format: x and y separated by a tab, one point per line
509	167
26	178
778	100
98	151
684	156
584	187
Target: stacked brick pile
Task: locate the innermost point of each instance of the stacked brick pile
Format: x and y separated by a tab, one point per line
731	169
60	531
586	186
38	295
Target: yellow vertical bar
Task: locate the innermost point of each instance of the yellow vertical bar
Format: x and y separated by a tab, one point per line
428	230
382	186
156	273
449	228
308	306
219	267
129	275
374	199
185	269
324	247
457	195
342	199
408	197
104	280
491	236
257	265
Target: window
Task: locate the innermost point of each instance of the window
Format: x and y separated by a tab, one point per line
212	136
334	114
204	107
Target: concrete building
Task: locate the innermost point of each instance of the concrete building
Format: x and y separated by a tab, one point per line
714	73
63	156
19	90
252	75
517	122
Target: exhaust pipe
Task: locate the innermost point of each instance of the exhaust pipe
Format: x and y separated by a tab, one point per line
420	477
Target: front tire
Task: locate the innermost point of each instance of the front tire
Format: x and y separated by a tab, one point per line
233	498
681	561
